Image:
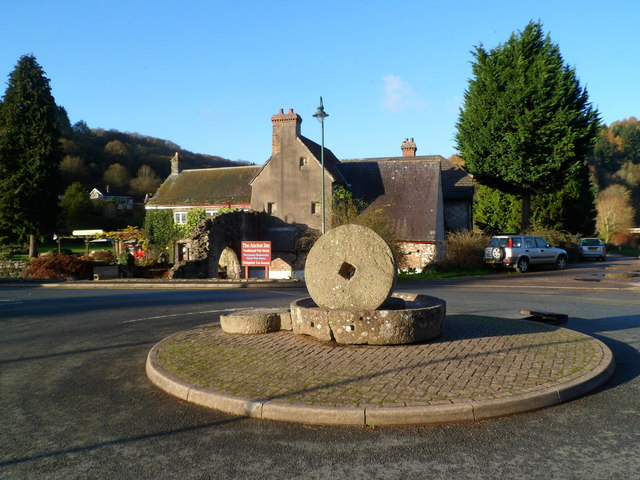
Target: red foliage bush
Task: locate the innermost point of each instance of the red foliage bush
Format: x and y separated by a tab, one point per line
625	239
66	267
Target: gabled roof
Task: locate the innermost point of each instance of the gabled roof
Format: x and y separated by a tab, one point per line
206	186
407	189
331	163
330	160
457	184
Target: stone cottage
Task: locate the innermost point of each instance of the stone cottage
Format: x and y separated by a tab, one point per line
423	195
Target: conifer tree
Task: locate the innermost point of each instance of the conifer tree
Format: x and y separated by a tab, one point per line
30	154
527	125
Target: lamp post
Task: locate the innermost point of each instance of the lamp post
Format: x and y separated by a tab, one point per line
321	115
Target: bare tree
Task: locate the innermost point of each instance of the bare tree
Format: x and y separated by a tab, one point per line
146	181
615	213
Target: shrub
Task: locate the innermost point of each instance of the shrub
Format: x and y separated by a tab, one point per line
560	239
126	260
66	267
104	256
464	249
625	240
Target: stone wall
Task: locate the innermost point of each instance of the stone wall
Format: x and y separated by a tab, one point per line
12	268
212	236
418	255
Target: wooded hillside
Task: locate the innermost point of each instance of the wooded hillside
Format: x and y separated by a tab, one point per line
616	159
129	163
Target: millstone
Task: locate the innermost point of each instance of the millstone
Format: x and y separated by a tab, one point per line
350	267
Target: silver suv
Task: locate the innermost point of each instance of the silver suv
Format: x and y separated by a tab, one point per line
521	251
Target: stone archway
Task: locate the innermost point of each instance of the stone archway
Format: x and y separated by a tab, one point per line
229	265
212	238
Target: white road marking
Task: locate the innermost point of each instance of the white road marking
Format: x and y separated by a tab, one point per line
181	315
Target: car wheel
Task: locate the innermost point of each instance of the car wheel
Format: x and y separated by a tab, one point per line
497	253
561	262
523	265
602	259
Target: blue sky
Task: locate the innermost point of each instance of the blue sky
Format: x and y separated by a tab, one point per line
208	75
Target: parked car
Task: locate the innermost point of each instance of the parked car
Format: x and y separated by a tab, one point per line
593	248
522	251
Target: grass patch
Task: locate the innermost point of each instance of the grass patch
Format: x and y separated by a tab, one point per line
438	273
630	252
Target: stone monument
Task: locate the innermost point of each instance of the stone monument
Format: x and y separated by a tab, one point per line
350	273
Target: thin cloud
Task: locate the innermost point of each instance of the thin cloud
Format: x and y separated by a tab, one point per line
399	95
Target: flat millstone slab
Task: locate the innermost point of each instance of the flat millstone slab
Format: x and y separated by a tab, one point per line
481	367
350	267
405	318
256	320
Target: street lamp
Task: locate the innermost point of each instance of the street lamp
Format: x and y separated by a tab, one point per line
321	115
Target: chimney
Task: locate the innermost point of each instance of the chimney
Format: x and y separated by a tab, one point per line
286	127
175	164
408	148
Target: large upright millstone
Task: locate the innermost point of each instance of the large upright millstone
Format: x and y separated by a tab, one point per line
350	267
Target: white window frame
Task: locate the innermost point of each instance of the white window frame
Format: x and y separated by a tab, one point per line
180	217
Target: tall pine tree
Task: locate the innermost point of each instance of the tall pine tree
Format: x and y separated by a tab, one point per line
527	125
30	154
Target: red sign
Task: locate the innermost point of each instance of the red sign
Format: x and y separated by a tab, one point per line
256	254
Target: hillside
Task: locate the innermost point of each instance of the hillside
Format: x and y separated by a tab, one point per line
129	163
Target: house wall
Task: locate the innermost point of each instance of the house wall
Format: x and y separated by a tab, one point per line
291	179
418	255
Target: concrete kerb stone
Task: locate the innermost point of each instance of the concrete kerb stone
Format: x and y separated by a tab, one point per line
160	378
313	415
599	375
449	413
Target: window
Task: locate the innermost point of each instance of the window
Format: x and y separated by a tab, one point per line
271	208
315	208
180	218
303	162
542	243
210	213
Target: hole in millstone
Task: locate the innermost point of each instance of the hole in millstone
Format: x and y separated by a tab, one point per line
349	328
347	271
311	324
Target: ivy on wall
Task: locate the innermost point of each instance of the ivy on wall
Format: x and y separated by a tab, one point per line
160	229
163	232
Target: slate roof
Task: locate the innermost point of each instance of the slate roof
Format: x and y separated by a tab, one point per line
406	188
457	184
206	186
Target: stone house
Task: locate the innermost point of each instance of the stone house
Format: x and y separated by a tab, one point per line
423	195
121	202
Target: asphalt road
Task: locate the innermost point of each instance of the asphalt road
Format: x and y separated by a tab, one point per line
75	401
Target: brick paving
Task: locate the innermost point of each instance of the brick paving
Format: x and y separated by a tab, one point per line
477	359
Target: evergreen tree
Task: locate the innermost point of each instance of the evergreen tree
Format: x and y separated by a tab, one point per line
30	154
526	126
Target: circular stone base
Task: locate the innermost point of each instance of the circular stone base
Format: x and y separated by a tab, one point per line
405	318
